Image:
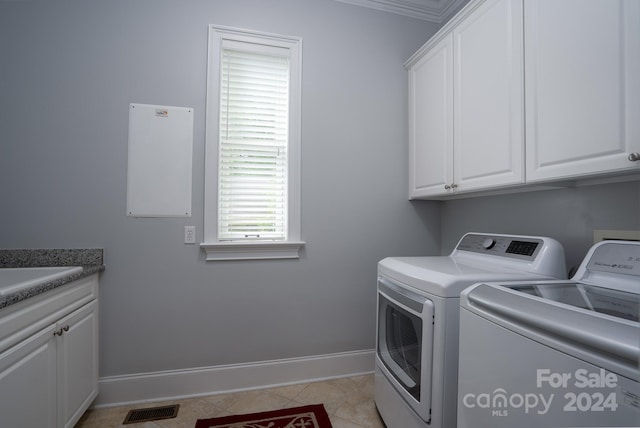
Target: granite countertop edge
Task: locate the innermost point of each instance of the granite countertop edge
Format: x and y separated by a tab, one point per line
91	261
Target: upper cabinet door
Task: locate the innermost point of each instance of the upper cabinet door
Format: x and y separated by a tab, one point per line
431	121
488	97
582	103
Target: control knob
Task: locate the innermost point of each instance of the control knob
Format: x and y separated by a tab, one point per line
488	243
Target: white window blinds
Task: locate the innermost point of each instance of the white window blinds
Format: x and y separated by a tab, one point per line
253	140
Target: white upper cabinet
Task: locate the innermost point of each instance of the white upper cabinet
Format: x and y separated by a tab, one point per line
431	120
488	106
582	67
465	103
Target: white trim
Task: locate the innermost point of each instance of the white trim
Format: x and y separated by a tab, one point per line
172	384
215	249
252	250
427	10
444	31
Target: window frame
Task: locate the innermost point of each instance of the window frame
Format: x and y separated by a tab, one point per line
214	248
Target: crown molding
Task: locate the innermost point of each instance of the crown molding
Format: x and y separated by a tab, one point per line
427	10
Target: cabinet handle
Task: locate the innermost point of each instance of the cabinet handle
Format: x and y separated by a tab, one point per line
634	157
454	186
61	331
447	187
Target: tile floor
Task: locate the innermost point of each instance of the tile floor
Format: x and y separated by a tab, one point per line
349	402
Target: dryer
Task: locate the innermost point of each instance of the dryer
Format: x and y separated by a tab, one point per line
537	354
417	321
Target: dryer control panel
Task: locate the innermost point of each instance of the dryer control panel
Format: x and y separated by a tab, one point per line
520	247
533	254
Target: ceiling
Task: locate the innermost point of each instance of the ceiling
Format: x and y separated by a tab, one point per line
427	10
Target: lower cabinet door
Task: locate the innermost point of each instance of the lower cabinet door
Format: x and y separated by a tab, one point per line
28	387
77	363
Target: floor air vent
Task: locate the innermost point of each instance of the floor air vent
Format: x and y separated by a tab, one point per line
151	414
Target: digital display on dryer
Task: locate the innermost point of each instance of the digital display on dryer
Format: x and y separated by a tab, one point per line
522	247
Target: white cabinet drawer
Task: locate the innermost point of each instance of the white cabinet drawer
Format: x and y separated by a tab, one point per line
21	320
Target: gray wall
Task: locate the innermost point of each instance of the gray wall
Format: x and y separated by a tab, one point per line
569	215
68	71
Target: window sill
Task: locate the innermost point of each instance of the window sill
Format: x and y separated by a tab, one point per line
252	250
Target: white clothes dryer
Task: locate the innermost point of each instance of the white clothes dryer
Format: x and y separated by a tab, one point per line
417	323
539	354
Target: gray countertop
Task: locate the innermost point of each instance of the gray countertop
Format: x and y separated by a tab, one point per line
90	259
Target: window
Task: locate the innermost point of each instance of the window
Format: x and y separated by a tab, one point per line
252	194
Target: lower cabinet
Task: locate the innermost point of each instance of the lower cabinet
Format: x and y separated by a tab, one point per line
28	382
77	363
50	378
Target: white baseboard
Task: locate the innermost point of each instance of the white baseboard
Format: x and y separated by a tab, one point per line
169	385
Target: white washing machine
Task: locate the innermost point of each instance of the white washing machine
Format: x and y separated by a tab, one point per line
539	354
417	323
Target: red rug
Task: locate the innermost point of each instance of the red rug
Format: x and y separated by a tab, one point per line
313	416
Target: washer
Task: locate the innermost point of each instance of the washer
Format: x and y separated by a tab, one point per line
554	353
417	322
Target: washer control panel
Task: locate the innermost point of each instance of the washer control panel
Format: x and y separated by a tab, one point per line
501	245
618	257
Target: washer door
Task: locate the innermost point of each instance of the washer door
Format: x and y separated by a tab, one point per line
405	342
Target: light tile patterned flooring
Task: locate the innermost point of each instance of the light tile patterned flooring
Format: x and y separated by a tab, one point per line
349	402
